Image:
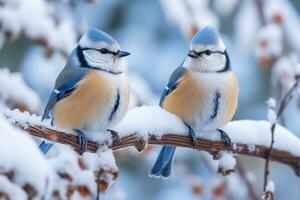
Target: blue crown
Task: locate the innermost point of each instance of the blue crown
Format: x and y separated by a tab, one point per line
207	36
96	35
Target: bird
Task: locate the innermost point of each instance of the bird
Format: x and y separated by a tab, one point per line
91	93
203	91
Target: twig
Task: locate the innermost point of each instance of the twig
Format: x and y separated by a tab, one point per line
283	104
212	147
259	6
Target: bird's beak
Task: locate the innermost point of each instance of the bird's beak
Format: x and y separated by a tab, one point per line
121	54
192	54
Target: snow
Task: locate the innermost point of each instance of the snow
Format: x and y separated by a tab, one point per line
270	186
146	120
156	121
284	13
102	160
9	22
271	103
272	115
25	118
284	71
258	133
227	161
36	20
19	154
13	88
65	162
153	120
87	178
16	116
11	190
269	41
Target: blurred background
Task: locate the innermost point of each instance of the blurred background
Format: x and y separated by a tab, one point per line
261	36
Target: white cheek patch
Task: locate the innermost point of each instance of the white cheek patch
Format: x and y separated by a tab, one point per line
212	63
94	58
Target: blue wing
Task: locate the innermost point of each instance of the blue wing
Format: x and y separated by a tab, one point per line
66	82
174	80
163	163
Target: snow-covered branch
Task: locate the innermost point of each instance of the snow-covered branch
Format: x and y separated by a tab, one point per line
154	126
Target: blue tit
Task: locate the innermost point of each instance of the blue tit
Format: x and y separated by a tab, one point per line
91	93
202	91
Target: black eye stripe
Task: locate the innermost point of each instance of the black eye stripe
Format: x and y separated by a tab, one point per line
103	50
208	52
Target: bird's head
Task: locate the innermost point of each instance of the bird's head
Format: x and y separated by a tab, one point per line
207	52
100	50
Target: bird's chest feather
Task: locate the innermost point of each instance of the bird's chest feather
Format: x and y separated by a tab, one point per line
93	104
204	101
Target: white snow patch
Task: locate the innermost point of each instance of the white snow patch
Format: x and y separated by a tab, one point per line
156	121
87	178
13	88
102	160
19	153
11	190
146	120
270	186
269	41
36	20
284	71
271	103
227	161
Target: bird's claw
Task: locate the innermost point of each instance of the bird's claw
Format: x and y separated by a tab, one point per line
115	136
194	140
82	140
224	137
192	136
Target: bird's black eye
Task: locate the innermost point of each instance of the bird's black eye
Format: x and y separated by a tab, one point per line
103	50
207	52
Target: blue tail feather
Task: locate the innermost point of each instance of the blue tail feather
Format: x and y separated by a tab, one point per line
45	147
163	164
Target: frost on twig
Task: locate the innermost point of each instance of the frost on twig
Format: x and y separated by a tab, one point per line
23	169
142	124
77	176
35	20
14	92
269	192
23	166
104	166
226	164
273	117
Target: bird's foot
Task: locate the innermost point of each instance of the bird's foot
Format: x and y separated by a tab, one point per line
192	136
82	140
224	137
115	136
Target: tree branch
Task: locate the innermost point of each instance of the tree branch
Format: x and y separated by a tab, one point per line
212	147
283	104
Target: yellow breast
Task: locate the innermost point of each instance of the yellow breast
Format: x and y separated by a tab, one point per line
192	100
186	100
91	100
230	95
